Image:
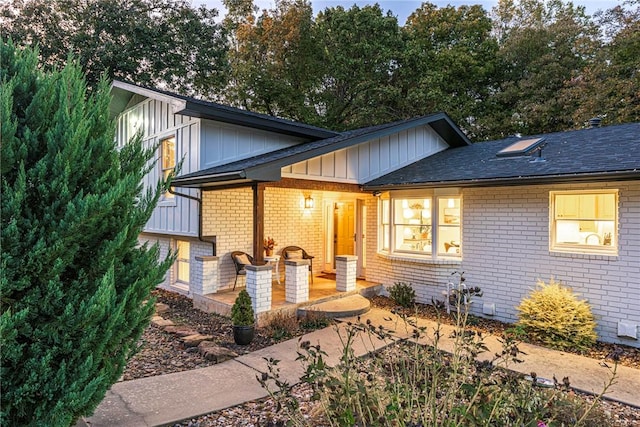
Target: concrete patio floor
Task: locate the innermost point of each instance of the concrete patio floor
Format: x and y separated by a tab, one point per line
323	289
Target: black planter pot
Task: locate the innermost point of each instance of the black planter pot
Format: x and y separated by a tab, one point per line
243	335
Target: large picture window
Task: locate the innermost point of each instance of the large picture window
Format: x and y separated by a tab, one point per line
412	225
421	225
584	221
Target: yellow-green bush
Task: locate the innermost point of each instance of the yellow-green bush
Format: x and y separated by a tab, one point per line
552	314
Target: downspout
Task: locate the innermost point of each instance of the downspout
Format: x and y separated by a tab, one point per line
200	236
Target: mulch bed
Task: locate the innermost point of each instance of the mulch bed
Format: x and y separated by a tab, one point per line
162	353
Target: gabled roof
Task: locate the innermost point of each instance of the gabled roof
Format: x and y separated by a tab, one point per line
594	154
187	106
267	167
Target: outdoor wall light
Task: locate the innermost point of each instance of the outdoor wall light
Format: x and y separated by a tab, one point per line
308	202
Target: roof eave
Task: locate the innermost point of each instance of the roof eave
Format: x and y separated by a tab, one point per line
513	181
235	178
177	104
444	124
195	109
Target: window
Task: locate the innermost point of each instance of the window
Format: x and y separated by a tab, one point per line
584	221
168	147
182	261
412	225
421	225
385	226
449	225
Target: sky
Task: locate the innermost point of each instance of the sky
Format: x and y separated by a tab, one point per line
403	8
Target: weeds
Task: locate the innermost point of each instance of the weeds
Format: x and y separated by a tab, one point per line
283	326
411	381
403	294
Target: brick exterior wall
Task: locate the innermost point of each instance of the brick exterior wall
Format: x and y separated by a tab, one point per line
167	243
290	225
228	215
505	246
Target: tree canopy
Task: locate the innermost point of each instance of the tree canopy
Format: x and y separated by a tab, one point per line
164	43
528	66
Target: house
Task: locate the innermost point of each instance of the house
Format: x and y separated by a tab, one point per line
410	201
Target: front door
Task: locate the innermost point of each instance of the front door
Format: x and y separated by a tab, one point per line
344	228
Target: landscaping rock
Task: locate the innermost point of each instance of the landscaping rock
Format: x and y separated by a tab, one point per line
181	331
211	351
161	322
195	340
162	308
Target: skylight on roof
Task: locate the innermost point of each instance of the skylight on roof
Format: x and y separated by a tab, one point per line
521	148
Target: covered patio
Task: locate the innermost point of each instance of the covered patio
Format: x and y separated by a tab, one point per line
323	289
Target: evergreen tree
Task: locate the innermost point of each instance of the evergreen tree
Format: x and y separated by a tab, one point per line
75	283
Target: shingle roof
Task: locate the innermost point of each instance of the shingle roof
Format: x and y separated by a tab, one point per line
266	166
595	153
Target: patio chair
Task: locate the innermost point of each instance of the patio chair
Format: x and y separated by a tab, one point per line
240	259
296	252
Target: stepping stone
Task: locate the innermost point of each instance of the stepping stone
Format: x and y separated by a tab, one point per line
211	351
195	340
161	322
343	307
181	331
162	308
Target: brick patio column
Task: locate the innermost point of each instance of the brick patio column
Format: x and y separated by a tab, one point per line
296	281
205	275
259	286
346	272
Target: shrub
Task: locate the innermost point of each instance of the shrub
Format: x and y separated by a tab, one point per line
242	311
553	315
75	280
403	294
313	320
282	326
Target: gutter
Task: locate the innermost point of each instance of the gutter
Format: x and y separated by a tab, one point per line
501	182
200	236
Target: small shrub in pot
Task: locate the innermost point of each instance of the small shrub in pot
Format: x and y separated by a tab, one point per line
243	319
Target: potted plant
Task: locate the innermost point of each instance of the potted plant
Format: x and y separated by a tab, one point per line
243	319
269	244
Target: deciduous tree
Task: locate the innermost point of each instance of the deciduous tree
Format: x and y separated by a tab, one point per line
163	43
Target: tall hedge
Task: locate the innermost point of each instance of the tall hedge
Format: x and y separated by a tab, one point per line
75	284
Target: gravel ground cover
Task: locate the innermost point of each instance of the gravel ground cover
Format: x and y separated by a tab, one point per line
162	353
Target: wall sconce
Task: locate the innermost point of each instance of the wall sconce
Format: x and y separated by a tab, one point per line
308	202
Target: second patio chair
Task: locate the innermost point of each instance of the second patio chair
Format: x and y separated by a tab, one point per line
240	259
296	252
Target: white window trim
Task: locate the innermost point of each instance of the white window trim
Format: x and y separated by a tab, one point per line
187	261
434	195
167	199
582	249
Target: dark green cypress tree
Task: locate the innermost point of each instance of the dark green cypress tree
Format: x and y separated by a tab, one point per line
75	283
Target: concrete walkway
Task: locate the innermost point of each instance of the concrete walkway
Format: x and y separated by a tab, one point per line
167	399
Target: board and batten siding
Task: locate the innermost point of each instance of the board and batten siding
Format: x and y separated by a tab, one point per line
157	121
372	159
223	143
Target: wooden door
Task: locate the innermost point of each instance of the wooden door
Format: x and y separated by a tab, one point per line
344	226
